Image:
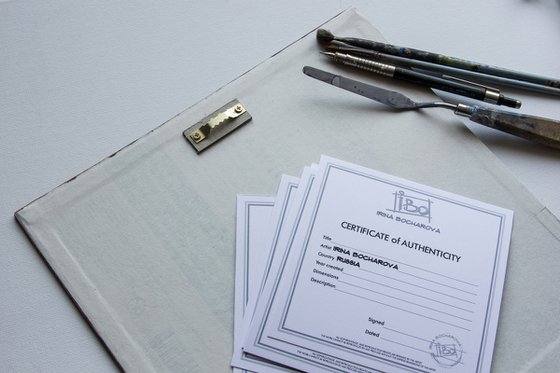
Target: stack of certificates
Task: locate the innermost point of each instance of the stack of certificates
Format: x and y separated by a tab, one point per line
349	269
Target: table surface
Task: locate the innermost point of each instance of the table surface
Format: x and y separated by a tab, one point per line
83	79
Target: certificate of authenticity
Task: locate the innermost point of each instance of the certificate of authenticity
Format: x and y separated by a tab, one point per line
384	274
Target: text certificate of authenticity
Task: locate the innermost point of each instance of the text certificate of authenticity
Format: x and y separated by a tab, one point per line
384	274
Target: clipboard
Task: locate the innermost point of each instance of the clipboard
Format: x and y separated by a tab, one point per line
144	240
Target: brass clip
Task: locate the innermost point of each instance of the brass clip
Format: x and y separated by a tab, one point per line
218	124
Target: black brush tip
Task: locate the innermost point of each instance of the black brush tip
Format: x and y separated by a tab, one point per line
324	36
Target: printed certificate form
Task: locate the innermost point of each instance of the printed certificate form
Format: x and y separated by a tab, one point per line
259	227
385	274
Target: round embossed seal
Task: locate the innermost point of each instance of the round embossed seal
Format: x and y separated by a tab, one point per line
446	350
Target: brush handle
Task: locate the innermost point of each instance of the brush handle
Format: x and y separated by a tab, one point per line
424	66
441	59
540	130
468	90
462	88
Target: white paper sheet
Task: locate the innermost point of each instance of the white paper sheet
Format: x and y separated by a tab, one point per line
279	230
384	273
259	223
253	221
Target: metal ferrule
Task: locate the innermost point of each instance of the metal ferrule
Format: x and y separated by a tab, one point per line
491	96
362	63
464	110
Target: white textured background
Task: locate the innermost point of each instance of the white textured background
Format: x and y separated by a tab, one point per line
79	80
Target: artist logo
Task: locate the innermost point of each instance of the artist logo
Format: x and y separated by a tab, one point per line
446	350
412	205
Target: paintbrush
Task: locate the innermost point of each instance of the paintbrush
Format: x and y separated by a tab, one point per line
448	84
429	68
325	37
